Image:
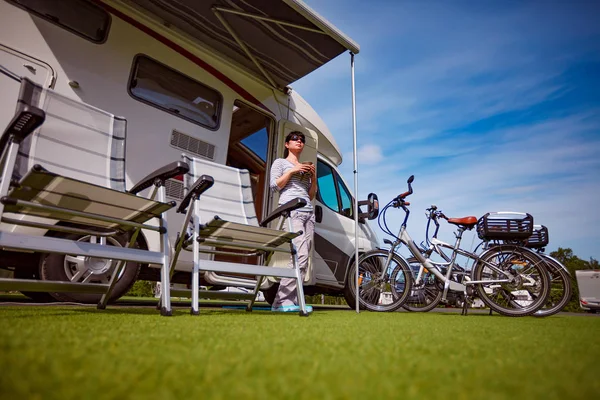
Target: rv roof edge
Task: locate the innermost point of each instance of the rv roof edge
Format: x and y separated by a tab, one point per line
325	25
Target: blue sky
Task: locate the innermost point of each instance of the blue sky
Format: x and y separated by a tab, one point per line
493	106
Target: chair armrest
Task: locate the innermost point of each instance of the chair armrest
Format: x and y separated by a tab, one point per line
161	175
203	183
25	121
287	207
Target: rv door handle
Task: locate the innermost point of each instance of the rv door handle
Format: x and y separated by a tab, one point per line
30	68
318	213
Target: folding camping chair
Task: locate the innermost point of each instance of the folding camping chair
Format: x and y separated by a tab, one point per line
68	176
224	222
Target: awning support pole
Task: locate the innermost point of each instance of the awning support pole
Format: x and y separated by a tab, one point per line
355	178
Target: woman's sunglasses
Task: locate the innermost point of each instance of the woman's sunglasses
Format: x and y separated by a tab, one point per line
297	137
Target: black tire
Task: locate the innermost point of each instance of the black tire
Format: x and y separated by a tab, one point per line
270	293
560	288
33	273
531	276
373	283
427	294
58	267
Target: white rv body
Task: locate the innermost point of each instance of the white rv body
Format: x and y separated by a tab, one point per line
107	75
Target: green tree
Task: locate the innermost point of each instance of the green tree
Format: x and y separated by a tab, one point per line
573	263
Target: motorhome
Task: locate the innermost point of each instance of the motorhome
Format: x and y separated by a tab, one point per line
210	79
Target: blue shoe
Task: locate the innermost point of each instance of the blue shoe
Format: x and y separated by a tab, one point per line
292	308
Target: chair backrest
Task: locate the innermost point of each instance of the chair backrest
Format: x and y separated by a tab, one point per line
230	198
76	140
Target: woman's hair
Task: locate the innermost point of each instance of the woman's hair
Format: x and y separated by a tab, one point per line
286	152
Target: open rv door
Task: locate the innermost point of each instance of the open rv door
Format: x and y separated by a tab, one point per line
309	154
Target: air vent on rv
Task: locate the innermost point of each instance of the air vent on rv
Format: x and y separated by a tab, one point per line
192	145
174	189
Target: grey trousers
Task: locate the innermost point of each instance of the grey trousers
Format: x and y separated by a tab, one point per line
287	294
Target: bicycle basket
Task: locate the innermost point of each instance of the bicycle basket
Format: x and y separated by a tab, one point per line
539	237
505	226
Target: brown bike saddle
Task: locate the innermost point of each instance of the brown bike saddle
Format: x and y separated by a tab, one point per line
468	222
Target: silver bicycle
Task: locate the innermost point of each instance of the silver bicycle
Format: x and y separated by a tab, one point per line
510	279
427	292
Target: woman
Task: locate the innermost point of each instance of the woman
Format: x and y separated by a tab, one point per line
293	179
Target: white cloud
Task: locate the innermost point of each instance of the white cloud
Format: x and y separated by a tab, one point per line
370	154
429	70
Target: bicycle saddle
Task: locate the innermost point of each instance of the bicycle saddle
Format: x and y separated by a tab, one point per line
468	222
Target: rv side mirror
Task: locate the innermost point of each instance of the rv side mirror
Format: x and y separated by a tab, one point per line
372	204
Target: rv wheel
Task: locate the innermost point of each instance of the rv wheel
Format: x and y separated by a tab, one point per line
70	268
34	274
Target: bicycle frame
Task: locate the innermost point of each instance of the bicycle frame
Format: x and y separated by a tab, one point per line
404	238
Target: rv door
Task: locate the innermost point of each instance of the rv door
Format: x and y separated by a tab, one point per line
308	154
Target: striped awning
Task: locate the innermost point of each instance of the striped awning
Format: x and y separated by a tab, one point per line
278	41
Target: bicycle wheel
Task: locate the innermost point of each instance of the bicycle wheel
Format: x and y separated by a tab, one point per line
560	288
377	290
426	293
529	283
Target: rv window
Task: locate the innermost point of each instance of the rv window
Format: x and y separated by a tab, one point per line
162	87
327	193
345	197
78	16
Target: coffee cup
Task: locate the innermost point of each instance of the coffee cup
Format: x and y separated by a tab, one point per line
306	163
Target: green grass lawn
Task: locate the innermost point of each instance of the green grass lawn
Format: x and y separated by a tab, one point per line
81	353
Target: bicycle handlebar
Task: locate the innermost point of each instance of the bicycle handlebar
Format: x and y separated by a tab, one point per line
400	198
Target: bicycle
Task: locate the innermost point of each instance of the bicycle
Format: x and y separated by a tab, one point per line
509	279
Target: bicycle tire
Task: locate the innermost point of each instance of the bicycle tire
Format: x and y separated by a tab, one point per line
373	284
424	296
527	267
558	298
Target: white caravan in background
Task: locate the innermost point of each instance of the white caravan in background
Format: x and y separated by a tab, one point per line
588	283
206	78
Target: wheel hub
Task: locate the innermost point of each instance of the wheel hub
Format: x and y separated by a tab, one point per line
97	266
516	283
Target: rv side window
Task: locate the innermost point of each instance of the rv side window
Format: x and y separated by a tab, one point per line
327	193
171	91
345	198
78	16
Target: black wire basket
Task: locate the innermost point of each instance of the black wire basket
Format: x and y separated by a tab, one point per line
539	237
505	226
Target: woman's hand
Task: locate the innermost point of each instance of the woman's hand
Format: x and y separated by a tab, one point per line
302	168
